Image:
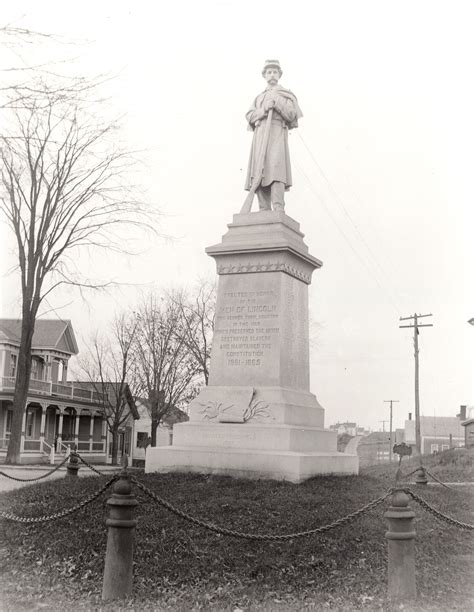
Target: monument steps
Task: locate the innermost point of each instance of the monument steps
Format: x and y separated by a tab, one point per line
263	436
245	463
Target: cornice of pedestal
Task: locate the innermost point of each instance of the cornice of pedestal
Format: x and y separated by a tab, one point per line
266	241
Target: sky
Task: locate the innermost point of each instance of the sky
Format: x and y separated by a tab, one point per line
382	171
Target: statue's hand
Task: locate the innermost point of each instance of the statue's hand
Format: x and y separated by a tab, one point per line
268	104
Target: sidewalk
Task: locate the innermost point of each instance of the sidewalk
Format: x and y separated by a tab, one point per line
33	471
46	467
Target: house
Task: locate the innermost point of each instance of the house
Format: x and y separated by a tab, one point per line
468	433
164	432
112	395
345	428
437	433
58	413
468	424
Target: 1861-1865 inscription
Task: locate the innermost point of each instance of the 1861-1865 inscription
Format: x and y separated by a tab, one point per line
246	325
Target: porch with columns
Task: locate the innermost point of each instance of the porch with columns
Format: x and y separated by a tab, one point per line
47	426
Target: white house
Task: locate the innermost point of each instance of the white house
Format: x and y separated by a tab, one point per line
142	428
59	413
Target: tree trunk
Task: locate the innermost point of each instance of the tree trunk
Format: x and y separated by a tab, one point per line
154	426
115	437
20	395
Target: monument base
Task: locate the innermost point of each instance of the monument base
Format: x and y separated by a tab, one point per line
252	464
257	417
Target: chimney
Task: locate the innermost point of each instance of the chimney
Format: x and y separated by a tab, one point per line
409	416
462	414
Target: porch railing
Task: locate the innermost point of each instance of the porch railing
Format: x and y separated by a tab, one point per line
61	448
49	449
55	389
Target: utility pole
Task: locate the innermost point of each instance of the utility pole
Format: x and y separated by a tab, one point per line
416	333
391	429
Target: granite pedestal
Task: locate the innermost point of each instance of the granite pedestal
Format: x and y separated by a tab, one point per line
257	418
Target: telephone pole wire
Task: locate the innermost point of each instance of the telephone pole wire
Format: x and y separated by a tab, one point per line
391	429
416	333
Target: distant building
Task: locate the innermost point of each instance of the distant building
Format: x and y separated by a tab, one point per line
345	428
437	433
374	448
467	424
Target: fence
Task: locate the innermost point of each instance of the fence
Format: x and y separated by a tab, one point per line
44	387
121	523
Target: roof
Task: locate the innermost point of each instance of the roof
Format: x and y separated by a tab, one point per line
49	334
173	415
375	437
433	427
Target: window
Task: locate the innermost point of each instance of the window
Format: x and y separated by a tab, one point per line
34	368
8	423
13	363
142	438
434	448
126	440
30	423
444	447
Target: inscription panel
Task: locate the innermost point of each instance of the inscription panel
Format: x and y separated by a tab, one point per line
247	329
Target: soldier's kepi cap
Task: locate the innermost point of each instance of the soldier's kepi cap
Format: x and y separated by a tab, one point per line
273	63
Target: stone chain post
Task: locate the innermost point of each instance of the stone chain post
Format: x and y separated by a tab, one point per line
72	466
401	548
421	478
118	571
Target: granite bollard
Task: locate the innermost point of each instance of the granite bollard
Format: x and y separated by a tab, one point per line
118	570
72	467
401	548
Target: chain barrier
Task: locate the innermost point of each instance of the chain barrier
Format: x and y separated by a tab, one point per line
411	473
87	464
439	515
57	515
38	477
91	467
438	480
257	536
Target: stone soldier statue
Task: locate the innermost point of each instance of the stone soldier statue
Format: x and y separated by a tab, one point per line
269	156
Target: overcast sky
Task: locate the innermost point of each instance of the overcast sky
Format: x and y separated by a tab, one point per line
382	170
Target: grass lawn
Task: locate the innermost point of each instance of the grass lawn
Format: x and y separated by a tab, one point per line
448	466
58	565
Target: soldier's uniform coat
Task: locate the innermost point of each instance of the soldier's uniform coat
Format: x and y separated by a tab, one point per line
286	113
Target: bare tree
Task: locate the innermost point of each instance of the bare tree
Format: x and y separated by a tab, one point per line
29	58
109	368
62	188
166	370
198	312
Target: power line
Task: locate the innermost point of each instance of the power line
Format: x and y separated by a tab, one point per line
341	203
339	200
341	231
357	199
